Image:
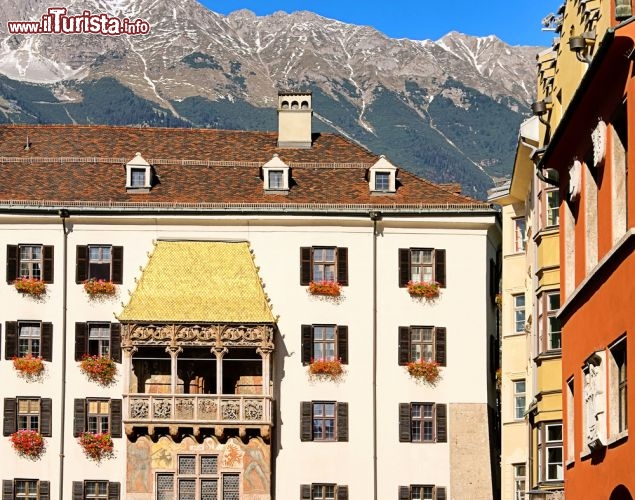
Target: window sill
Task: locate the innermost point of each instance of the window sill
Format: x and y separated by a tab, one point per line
137	190
282	192
620	436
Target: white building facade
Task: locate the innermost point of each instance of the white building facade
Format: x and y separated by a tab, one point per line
213	395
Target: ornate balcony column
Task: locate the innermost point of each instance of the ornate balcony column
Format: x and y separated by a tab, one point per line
265	352
220	351
173	351
126	366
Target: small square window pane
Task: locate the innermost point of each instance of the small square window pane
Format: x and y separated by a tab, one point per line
187	464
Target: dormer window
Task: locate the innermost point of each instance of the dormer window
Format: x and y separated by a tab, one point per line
138	175
382	177
276	176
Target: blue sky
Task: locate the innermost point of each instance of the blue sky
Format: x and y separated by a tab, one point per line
516	22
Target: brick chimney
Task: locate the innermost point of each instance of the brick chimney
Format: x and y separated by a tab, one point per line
294	119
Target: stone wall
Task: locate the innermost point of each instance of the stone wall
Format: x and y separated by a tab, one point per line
470	461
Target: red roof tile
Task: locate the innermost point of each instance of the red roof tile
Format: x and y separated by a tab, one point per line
87	163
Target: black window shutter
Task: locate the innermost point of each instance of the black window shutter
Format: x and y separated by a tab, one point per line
45	490
47	275
342	492
47	341
117	265
440	345
81	340
404	345
115	418
404	266
79	417
439	267
9	425
404	423
11	339
115	342
78	490
442	423
114	491
342	344
81	264
7	489
305	492
12	263
342	421
46	417
342	266
305	265
404	493
440	493
307	343
306	424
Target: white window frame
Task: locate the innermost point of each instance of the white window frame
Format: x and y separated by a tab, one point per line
519	242
553	444
520	481
519	324
552	208
551	313
520	398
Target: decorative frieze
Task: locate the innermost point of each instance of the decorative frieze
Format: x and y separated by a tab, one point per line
199	335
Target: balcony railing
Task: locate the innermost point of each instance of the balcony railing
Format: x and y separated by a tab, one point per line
197	410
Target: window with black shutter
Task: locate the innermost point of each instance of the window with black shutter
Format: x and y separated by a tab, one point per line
33	414
99	262
427	343
26	488
323	421
30	261
98	339
28	338
323	491
423	423
97	415
96	489
323	264
421	491
324	342
422	265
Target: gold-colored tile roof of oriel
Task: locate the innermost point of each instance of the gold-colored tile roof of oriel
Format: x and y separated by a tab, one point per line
199	281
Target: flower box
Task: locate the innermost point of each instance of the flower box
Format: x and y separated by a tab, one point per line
100	369
29	366
329	288
97	446
30	286
425	289
425	371
28	444
95	287
322	369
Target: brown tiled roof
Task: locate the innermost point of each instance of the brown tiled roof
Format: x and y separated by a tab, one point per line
87	163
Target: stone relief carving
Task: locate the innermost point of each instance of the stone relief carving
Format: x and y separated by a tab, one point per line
223	335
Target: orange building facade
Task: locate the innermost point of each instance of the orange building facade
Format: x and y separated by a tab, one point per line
590	149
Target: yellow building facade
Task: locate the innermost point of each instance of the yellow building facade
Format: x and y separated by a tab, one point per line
531	409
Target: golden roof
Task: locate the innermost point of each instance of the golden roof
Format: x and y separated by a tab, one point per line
199	281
